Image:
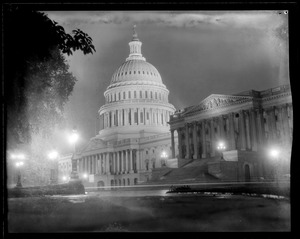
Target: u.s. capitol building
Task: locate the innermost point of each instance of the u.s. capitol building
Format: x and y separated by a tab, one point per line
134	137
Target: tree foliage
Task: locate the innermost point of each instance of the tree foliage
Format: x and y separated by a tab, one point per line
36	77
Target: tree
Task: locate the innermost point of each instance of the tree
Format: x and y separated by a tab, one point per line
36	78
37	83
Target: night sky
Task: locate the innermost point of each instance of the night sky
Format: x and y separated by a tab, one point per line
196	53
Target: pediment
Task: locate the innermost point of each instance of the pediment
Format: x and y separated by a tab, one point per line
215	101
93	144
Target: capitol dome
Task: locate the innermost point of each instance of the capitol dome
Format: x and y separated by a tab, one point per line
136	101
136	70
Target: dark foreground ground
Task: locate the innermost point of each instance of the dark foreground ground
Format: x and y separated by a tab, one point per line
108	213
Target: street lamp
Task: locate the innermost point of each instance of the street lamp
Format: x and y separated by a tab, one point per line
164	156
53	155
221	147
19	163
274	154
73	139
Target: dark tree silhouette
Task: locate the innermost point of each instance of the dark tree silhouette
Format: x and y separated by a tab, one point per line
37	82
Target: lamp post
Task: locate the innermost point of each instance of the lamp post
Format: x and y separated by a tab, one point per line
73	139
53	155
164	156
221	147
19	163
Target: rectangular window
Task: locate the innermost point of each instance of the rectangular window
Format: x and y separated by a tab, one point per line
151	95
134	94
129	117
129	94
124	95
119	95
147	115
141	94
142	117
146	94
135	117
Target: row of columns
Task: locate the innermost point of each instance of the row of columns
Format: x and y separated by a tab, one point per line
120	162
145	116
243	130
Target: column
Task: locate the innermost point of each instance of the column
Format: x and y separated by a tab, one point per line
114	163
179	143
113	115
92	164
107	164
132	116
195	142
212	139
89	164
121	162
125	117
203	131
272	124
248	133
138	160
187	143
221	128
253	128
173	143
126	159
99	164
242	133
231	132
261	128
118	163
131	160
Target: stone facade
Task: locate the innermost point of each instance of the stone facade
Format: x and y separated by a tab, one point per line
134	126
250	121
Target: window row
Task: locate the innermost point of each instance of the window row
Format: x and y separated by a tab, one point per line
137	72
135	95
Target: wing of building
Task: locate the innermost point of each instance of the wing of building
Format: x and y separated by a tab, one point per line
244	129
134	137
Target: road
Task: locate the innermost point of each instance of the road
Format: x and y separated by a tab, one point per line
148	211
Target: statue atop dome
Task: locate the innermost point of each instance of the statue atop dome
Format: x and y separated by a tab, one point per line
134	36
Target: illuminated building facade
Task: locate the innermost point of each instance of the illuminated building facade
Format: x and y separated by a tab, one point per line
249	124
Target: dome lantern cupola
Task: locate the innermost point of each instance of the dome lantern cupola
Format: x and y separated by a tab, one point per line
135	47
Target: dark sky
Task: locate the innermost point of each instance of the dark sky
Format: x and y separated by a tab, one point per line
196	53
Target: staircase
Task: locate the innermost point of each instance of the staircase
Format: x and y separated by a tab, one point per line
194	171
